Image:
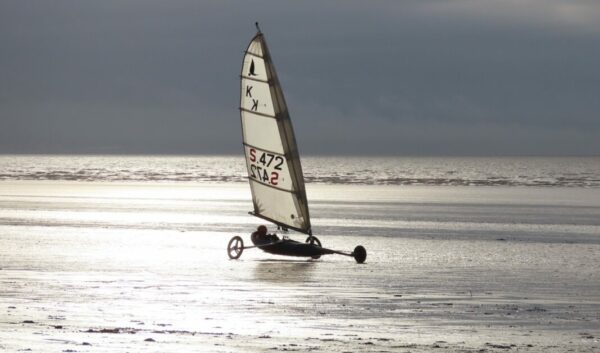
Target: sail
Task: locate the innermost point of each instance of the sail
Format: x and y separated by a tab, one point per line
272	158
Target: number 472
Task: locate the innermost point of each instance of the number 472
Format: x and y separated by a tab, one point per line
266	159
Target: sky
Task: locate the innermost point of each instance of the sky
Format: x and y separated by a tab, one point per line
423	77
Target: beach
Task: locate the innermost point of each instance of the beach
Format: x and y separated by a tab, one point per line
142	267
453	145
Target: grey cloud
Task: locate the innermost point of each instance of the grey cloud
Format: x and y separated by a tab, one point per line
410	77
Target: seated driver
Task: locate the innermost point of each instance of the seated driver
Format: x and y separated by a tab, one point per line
260	237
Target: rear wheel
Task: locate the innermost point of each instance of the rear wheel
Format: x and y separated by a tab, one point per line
235	247
360	254
312	240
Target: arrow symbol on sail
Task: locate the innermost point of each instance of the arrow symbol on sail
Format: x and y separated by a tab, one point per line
251	72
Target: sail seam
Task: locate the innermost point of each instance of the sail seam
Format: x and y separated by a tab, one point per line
254	79
309	232
257	113
264	150
271	186
255	55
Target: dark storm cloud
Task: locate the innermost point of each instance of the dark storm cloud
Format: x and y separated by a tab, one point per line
410	77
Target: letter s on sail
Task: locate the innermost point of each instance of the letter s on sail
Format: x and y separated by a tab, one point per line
252	155
274	178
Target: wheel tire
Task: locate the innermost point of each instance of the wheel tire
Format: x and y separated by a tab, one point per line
360	254
235	247
314	240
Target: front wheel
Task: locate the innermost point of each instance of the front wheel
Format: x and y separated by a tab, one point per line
235	247
360	254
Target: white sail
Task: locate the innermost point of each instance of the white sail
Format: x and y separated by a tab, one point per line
272	158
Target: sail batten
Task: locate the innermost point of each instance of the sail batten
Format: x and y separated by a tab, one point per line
257	113
253	54
271	186
273	152
272	158
253	79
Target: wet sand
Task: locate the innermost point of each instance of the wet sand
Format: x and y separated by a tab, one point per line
105	270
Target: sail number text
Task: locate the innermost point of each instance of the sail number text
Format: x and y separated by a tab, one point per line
264	166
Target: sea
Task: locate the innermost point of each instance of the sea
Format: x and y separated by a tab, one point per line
113	253
554	199
427	171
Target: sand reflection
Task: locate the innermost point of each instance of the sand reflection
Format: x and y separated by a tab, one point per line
284	271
